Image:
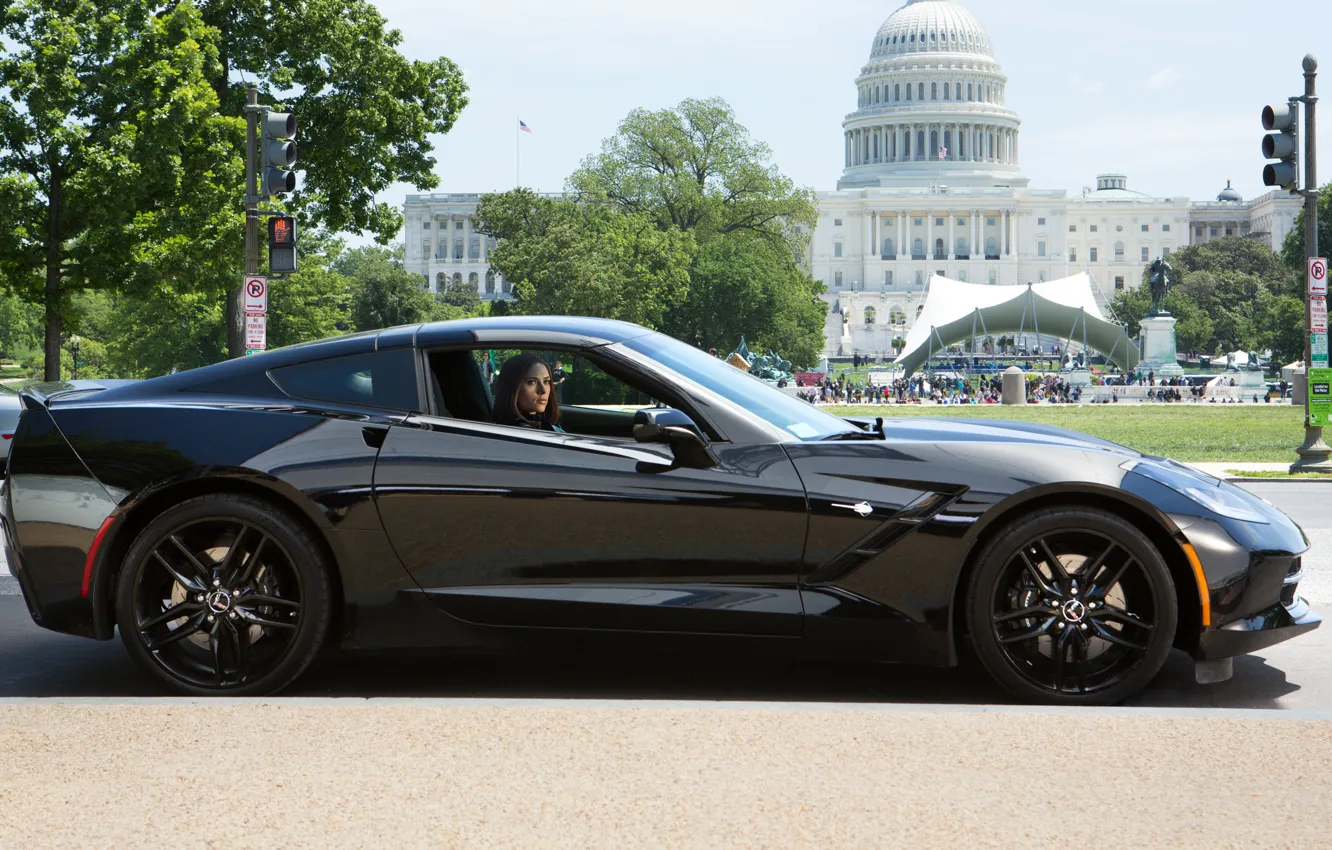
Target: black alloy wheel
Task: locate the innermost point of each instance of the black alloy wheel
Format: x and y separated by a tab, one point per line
1072	606
223	594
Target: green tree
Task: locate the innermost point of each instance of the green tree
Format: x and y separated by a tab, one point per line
1231	253
1292	250
383	294
566	257
367	112
112	155
459	294
682	222
1282	327
744	285
20	327
695	168
165	330
313	304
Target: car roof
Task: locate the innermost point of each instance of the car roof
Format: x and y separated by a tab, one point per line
585	331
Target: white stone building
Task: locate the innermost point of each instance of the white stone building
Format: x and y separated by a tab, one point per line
932	183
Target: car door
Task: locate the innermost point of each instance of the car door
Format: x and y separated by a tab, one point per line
510	526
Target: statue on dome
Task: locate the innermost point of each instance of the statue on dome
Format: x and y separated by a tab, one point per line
1160	277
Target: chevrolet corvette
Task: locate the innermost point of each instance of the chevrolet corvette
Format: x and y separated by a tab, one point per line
363	492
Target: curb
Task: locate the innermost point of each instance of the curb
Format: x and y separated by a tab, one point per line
1232	479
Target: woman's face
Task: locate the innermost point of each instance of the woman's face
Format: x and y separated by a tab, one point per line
534	391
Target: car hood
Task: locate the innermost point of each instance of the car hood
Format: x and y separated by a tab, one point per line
960	430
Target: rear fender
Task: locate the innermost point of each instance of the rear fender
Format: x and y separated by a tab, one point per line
56	508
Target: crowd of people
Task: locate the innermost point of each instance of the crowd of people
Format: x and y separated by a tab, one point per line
988	389
976	389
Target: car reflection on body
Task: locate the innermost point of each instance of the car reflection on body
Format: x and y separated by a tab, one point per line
235	519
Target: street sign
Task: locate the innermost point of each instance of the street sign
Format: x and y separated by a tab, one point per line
1317	314
1318	349
1320	397
1318	276
256	294
256	331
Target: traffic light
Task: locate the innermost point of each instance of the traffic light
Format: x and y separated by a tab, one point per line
1282	145
279	152
281	244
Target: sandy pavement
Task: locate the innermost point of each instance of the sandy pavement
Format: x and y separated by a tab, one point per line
355	773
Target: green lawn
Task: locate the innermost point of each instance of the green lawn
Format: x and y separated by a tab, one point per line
1185	432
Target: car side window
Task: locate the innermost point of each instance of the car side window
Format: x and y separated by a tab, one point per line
384	379
589	401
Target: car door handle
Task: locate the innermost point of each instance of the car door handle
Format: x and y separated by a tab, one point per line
862	508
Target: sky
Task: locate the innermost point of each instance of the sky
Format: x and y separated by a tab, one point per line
1168	92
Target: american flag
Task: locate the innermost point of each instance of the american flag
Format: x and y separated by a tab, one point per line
523	127
943	153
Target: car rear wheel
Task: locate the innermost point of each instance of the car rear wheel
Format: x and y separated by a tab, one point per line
1073	606
223	594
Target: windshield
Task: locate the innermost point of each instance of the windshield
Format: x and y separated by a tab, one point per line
797	418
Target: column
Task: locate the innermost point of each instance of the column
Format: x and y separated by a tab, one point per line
1007	244
869	232
952	241
901	235
929	235
975	234
846	150
434	242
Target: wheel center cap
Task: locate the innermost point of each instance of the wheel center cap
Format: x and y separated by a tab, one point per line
219	601
1074	610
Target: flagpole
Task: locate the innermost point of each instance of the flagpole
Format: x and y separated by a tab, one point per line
518	153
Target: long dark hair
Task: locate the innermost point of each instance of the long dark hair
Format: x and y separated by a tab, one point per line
511	376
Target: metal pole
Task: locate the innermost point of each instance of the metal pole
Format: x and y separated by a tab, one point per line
235	315
1314	454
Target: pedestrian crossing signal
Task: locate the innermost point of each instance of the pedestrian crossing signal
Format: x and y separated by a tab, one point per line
281	244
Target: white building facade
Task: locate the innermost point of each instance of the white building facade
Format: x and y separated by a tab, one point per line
931	185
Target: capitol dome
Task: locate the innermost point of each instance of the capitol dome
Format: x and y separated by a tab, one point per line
930	106
923	26
1229	194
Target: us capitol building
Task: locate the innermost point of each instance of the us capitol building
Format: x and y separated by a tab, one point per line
931	185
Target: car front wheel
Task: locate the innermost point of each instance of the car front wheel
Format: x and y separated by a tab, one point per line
1073	606
223	594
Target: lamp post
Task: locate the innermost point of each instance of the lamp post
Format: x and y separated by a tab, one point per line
1314	453
74	348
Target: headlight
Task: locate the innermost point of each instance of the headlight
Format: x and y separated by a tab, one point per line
1222	502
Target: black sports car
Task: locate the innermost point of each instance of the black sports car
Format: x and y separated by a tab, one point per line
371	492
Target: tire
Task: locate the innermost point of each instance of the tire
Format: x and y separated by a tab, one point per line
1109	608
253	595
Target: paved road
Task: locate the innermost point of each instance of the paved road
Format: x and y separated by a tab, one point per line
1296	675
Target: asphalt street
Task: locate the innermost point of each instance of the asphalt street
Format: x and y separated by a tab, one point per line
1296	675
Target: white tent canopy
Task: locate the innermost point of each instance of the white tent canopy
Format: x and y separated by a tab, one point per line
954	311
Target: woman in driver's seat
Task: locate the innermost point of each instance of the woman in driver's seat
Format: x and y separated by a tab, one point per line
524	396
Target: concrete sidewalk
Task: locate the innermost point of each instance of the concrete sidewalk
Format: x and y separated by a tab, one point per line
358	774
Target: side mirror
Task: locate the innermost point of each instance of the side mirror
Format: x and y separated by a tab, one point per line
667	425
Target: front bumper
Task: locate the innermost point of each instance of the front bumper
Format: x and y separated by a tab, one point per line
1279	623
1253	573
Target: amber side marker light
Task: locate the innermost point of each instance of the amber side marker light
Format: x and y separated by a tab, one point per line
1201	580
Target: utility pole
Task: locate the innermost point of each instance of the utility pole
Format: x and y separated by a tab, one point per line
235	297
279	154
1314	453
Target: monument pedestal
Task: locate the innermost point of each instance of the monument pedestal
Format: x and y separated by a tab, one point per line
1159	348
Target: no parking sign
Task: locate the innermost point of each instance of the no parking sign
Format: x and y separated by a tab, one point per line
256	293
1318	276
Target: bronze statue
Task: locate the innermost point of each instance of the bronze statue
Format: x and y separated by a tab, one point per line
1160	277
